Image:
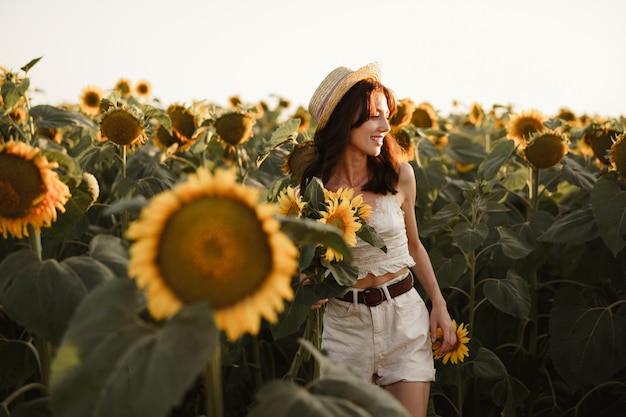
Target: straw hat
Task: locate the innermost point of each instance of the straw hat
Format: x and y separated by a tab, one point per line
333	88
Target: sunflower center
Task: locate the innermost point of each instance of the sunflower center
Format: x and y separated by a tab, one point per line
214	249
21	186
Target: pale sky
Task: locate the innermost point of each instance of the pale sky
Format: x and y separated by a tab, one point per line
532	54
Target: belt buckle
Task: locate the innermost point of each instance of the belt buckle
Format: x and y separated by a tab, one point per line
367	292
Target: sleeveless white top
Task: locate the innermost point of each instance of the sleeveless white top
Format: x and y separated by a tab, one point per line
388	220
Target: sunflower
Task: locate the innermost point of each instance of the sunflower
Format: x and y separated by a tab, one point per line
123	86
618	155
300	156
459	351
360	207
405	143
208	240
340	213
234	128
305	119
476	114
183	127
90	100
122	127
31	191
544	150
290	203
143	89
403	114
522	126
597	141
424	116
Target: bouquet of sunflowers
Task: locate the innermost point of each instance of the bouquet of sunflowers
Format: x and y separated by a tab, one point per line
325	224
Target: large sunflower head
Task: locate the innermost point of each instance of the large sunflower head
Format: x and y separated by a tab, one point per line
341	213
90	100
122	127
143	89
234	128
459	351
209	240
290	202
618	154
546	149
521	126
30	188
300	156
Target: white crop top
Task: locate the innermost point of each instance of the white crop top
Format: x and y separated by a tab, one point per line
388	220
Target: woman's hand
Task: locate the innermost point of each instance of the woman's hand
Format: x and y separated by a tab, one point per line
440	318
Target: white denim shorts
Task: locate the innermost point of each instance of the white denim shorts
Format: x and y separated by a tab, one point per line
384	344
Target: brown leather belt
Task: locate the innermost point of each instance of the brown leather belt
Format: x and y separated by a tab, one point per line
373	296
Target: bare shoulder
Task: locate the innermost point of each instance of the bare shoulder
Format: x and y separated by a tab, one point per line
406	175
406	182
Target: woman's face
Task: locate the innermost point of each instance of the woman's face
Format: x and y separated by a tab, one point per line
368	138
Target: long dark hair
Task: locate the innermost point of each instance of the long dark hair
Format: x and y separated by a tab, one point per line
332	140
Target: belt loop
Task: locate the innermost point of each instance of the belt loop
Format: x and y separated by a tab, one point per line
385	288
355	298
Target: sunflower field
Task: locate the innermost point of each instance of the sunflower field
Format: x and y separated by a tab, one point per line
152	256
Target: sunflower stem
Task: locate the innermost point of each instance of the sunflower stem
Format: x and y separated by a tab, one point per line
44	353
123	173
213	384
34	239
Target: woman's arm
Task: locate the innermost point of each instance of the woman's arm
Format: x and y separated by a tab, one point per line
439	316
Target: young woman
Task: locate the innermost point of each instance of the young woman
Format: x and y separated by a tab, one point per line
381	327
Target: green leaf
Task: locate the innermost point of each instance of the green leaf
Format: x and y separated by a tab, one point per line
499	155
344	272
73	216
112	252
467	237
576	174
577	227
111	363
46	116
488	366
314	195
369	235
429	179
30	64
512	245
159	115
463	150
510	295
447	270
608	201
285	132
509	392
447	212
587	336
43	295
12	93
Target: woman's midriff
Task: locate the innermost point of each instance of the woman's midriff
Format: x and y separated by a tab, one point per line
376	281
